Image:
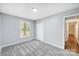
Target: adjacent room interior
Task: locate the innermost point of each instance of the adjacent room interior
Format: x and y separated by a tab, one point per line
39	29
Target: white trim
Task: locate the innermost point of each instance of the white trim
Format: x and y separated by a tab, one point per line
16	43
71	15
72	20
77	31
67	29
64	21
0	50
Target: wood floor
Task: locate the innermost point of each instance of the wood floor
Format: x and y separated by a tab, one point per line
34	48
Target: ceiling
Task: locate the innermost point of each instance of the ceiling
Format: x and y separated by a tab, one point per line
44	9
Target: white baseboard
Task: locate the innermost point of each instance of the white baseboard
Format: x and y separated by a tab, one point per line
0	50
9	44
51	44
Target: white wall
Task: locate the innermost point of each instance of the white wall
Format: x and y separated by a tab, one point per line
0	30
54	28
11	30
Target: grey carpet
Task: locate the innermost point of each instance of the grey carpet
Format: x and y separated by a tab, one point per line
34	48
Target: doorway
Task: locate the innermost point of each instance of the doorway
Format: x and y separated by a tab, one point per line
72	34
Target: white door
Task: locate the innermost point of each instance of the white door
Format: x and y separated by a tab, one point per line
40	31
